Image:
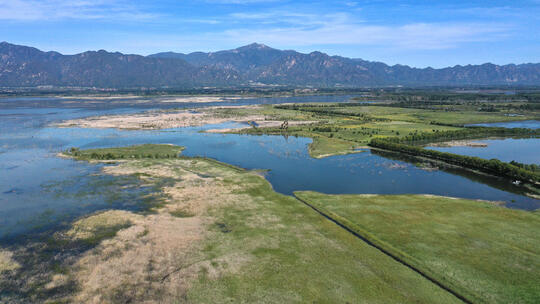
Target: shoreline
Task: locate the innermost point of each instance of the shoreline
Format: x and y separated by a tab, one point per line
190	242
167	119
459	143
154	120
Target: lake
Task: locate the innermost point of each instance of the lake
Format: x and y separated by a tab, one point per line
38	190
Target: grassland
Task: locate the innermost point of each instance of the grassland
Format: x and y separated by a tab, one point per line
218	233
222	235
451	114
344	128
132	152
332	134
489	253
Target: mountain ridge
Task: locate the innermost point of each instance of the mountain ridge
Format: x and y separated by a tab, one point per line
24	66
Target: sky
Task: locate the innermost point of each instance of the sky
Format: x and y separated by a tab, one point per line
436	33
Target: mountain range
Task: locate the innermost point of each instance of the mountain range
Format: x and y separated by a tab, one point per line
254	64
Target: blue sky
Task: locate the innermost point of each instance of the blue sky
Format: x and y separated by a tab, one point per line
418	33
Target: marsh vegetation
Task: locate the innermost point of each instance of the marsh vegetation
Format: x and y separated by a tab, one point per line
239	241
345	127
210	232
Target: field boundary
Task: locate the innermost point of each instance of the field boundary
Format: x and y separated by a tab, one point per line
393	253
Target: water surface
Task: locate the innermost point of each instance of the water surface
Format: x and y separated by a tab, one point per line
39	190
528	124
523	150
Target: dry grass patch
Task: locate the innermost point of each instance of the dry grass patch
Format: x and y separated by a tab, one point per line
92	226
6	261
158	255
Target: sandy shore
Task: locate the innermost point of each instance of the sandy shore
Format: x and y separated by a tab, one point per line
459	143
201	99
155	120
146	99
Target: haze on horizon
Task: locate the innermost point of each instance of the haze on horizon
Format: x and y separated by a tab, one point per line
418	34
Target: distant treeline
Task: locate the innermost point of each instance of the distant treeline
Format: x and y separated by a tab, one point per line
327	110
448	96
481	106
308	106
425	105
529	167
513	170
466	133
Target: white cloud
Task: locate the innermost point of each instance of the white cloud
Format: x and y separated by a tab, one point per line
342	28
278	27
38	10
411	37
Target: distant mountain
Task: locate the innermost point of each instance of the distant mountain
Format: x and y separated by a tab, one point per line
260	63
22	66
246	59
254	63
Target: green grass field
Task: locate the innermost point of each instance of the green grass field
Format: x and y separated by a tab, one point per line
345	128
457	114
292	254
336	134
490	253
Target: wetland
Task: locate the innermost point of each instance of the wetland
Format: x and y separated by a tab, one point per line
195	200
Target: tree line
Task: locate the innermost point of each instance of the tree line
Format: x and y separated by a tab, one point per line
329	111
465	133
511	170
448	96
530	167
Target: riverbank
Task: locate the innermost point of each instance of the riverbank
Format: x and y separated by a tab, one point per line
154	120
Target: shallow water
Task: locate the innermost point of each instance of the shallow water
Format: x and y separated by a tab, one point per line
523	150
529	124
38	189
156	102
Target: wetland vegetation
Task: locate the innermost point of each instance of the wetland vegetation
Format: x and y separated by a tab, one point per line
343	128
349	125
134	152
211	232
241	242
